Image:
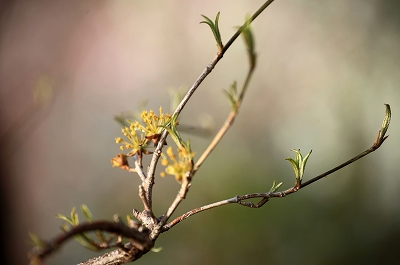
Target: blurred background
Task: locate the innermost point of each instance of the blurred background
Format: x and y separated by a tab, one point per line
325	70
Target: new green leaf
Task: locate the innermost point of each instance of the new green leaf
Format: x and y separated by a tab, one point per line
215	30
249	40
299	164
275	186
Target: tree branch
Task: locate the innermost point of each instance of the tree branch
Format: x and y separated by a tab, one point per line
140	240
298	185
228	123
116	257
199	80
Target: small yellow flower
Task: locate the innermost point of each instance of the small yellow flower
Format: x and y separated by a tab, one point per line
139	135
177	166
154	124
137	143
164	162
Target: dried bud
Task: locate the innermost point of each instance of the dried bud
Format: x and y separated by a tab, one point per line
120	161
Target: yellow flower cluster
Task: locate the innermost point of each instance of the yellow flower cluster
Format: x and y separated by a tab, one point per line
154	124
136	143
179	165
139	135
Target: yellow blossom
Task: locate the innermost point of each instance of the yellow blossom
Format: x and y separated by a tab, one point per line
154	124
138	135
135	142
177	166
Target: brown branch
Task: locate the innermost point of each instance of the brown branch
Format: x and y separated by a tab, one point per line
157	153
240	30
280	194
178	199
140	240
228	123
298	186
195	211
116	257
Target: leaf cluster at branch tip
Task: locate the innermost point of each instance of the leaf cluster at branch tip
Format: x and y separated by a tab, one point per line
299	164
215	30
385	123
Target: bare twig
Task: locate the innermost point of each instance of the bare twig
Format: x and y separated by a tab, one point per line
298	185
185	185
197	210
200	79
264	196
228	123
139	168
251	19
186	182
142	196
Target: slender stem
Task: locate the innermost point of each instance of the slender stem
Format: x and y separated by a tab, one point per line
266	196
142	195
197	210
148	185
139	168
228	123
140	239
186	184
252	18
294	189
157	152
178	199
348	162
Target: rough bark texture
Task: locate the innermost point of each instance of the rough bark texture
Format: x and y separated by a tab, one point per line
117	257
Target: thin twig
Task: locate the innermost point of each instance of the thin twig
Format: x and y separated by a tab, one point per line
266	196
228	123
185	185
240	30
139	168
142	195
366	152
197	210
148	184
199	80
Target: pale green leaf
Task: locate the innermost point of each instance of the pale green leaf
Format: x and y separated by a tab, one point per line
87	212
